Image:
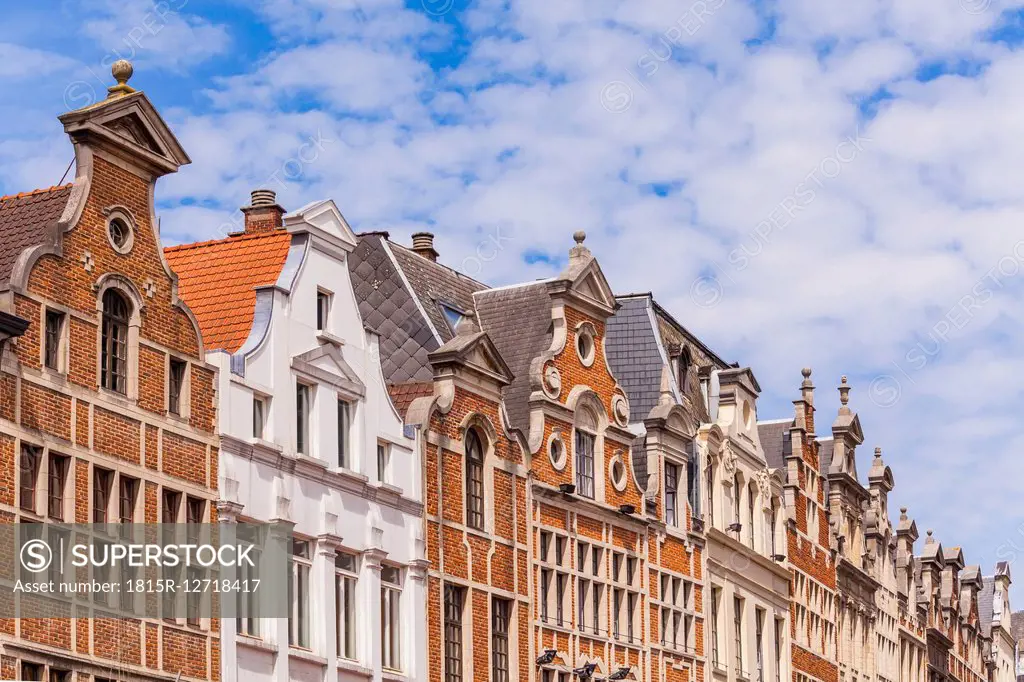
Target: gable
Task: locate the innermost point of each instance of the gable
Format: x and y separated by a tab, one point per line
326	219
590	284
133	128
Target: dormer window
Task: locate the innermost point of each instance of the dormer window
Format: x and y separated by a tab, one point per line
453	316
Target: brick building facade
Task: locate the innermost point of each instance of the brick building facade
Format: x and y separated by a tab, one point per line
107	407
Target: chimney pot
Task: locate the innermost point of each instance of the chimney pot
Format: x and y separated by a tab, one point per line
263	214
423	244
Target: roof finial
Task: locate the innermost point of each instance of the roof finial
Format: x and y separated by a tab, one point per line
878	453
122	71
844	391
579	236
806	372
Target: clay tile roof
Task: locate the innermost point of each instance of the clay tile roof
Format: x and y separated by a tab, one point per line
402	395
24	219
218	281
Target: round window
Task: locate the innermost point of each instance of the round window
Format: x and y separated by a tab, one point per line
120	234
556	452
618	473
585	345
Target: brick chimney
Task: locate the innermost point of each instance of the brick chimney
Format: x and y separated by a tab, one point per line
423	244
263	213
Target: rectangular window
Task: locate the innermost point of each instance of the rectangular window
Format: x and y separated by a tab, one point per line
383	455
716	595
102	485
779	624
171	505
323	309
248	620
545	593
345	603
693	480
390	618
175	385
584	464
259	417
737	608
31	671
501	610
60	675
28	474
709	479
759	643
195	511
453	599
617	596
54	334
344	433
671	494
58	476
298	619
195	514
561	582
128	490
302	408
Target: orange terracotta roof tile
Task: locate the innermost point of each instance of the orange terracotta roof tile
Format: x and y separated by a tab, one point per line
402	395
218	281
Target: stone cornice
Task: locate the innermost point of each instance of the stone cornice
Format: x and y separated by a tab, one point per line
312	469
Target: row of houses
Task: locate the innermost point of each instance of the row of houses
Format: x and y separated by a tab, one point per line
541	481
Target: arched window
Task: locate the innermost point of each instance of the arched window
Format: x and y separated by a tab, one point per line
586	440
114	355
474	481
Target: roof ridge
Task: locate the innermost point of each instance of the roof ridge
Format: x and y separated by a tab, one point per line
43	190
233	239
439	264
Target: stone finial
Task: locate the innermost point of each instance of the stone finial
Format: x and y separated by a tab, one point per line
122	71
878	453
579	236
903	514
844	391
806	383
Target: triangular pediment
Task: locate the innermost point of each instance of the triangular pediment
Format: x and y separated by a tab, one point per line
133	129
323	216
590	284
129	127
477	352
327	364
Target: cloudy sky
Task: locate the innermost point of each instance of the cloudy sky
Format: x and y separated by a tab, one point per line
802	182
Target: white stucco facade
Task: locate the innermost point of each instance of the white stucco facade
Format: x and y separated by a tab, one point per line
307	351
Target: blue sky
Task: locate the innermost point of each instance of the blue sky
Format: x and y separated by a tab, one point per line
802	182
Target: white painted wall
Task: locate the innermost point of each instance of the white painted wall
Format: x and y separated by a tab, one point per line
335	508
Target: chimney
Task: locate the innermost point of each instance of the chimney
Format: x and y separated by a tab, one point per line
423	244
263	213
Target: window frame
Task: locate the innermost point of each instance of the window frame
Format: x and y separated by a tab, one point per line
53	340
303	418
453	604
346	581
391	617
501	620
29	465
177	386
58	467
300	570
114	341
345	410
383	461
260	414
475	495
585	446
672	494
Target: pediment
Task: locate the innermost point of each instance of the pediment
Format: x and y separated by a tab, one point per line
591	284
327	365
324	216
477	352
129	127
132	128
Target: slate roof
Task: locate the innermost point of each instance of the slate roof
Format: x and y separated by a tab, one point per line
389	308
433	283
24	219
1017	626
826	447
985	597
774	437
218	281
633	351
518	322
